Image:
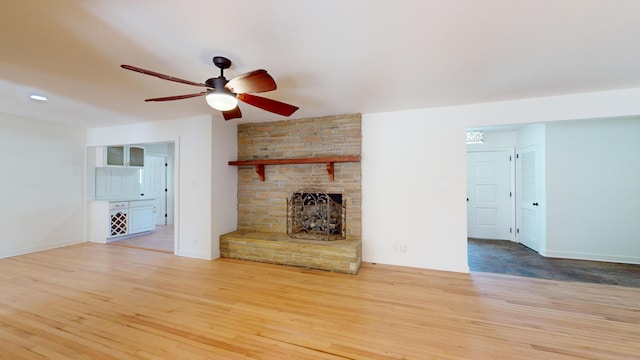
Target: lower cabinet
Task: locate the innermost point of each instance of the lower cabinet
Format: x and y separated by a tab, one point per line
132	217
142	216
118	219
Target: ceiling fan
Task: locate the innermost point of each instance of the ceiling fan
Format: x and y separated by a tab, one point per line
223	95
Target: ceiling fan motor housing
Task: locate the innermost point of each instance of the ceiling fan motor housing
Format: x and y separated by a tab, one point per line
217	83
220	98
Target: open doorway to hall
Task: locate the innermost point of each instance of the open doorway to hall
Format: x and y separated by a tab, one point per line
504	191
574	198
505	185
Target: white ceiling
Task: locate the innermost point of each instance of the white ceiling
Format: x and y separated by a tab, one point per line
328	57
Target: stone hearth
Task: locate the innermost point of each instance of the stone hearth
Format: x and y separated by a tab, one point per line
342	256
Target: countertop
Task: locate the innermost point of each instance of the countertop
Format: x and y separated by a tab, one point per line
125	199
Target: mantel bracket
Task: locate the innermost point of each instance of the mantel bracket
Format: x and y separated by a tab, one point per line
260	171
330	170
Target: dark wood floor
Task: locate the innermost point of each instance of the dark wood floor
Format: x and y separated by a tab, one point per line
507	257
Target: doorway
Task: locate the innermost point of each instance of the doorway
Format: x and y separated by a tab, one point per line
504	185
576	188
151	181
156	182
495	183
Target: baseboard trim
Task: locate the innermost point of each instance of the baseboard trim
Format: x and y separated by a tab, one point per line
37	248
591	256
460	268
194	255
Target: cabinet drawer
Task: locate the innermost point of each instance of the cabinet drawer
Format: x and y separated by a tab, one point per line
118	205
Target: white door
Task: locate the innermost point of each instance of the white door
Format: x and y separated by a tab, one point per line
528	185
155	184
489	193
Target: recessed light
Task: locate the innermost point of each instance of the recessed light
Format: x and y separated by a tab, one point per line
37	97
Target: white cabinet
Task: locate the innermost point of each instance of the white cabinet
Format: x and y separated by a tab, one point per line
131	217
114	156
120	156
142	216
118	219
135	156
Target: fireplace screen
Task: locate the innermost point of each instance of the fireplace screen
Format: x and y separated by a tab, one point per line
316	216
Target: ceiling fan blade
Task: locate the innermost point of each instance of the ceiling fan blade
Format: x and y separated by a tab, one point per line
162	76
178	97
252	82
232	114
273	106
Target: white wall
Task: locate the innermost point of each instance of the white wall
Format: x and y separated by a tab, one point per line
414	171
414	190
163	148
193	175
42	167
593	189
224	181
495	140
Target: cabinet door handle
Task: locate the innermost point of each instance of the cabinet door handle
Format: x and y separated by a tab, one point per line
535	204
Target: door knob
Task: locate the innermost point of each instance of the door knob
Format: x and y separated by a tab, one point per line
535	204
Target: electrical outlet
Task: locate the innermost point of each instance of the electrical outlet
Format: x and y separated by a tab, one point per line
402	248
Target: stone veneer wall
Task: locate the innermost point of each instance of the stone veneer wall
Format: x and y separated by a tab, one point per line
262	206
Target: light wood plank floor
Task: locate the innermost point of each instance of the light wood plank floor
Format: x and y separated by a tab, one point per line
106	302
160	239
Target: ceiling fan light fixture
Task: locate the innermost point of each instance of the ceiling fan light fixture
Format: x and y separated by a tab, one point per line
221	100
224	95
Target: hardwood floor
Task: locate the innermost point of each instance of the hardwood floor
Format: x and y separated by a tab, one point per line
108	302
160	239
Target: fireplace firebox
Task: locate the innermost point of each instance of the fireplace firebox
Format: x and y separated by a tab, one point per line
316	215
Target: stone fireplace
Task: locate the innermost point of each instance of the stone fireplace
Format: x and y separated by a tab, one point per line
266	232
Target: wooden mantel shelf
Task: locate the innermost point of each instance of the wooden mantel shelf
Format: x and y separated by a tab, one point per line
259	164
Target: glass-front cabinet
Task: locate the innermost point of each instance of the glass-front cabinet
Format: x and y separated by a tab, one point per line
123	155
115	156
136	156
